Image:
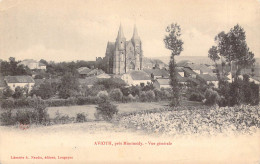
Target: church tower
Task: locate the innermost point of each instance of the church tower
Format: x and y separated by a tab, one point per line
119	54
124	55
138	49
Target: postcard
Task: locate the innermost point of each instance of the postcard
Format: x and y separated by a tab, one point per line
129	81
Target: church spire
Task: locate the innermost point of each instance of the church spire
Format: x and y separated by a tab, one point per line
135	34
120	32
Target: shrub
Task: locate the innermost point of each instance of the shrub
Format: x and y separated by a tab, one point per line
111	83
7	92
196	97
116	95
143	97
212	97
150	96
6	118
61	119
103	96
81	117
106	110
8	103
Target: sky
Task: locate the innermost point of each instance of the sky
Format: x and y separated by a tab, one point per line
65	30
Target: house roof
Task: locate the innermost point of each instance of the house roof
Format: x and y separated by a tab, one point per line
103	75
41	64
207	77
19	79
206	69
163	81
166	81
84	70
157	72
183	63
189	71
139	75
193	66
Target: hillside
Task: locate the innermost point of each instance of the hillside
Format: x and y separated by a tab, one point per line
194	59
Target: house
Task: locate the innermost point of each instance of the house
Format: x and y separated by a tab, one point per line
205	70
136	78
103	76
189	73
165	82
87	72
33	64
162	83
19	81
208	79
83	71
156	73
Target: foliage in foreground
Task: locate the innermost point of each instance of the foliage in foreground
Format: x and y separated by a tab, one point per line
182	120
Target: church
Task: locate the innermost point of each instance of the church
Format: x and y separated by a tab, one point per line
123	56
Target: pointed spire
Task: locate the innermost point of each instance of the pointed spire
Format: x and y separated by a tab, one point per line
135	35
120	32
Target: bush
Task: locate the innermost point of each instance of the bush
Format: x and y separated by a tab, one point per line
62	119
103	96
6	118
81	117
116	95
111	83
106	110
143	97
7	92
196	97
8	103
212	97
150	96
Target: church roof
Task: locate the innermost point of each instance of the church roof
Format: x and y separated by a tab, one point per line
135	34
120	32
110	47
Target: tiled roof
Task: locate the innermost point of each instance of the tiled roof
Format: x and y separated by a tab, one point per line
163	81
41	64
204	69
193	66
139	75
189	71
166	81
183	63
84	70
157	72
19	79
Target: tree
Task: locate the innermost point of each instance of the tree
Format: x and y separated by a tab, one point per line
18	92
45	91
233	48
69	86
174	43
8	92
213	55
12	68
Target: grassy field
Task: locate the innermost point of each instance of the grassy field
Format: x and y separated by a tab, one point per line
72	111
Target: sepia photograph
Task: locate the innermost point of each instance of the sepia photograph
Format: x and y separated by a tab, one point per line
129	81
